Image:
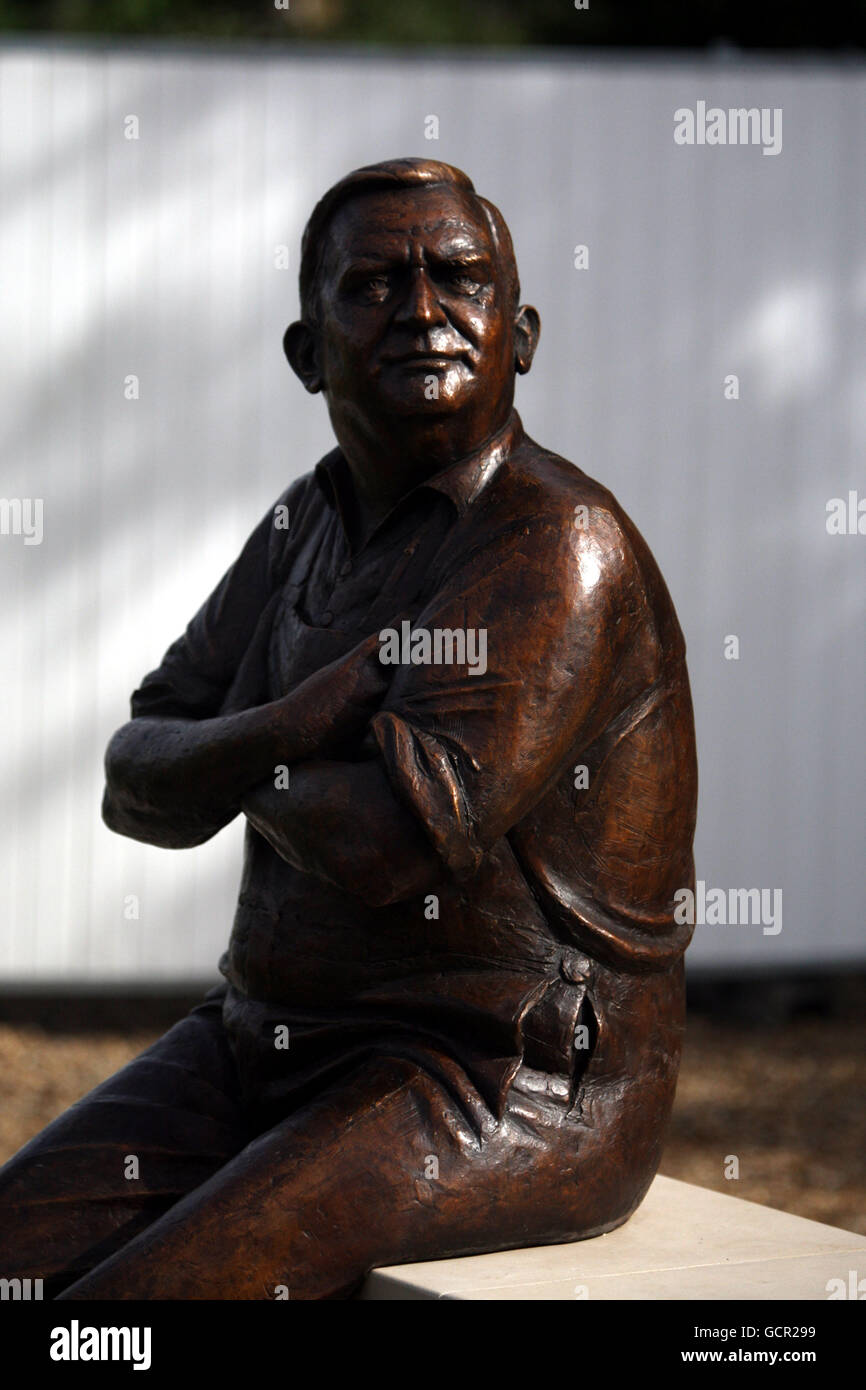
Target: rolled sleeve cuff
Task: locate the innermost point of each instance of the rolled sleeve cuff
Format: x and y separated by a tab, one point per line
425	778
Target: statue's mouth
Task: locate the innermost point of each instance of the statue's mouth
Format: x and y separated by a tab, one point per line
427	358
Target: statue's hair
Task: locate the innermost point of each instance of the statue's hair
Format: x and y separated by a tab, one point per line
392	174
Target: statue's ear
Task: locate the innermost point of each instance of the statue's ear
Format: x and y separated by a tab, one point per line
527	327
301	349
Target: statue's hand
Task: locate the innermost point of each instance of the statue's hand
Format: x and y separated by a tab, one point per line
338	700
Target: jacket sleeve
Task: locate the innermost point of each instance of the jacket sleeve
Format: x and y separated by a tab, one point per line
554	610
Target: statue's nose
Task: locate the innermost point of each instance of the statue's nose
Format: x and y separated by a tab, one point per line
421	302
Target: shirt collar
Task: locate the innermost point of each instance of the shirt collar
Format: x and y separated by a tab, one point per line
463	481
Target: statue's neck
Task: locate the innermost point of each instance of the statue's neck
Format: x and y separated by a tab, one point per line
385	466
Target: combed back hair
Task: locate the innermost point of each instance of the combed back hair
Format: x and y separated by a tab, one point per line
391	174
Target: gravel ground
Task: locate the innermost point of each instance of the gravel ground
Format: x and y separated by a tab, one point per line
786	1101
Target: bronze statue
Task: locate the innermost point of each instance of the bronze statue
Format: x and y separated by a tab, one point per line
445	684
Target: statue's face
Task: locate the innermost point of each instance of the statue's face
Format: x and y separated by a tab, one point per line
416	308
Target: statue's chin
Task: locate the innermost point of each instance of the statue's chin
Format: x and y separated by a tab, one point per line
423	389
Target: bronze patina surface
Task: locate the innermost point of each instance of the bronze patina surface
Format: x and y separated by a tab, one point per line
445	685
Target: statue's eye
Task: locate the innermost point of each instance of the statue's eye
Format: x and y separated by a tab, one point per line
461	281
375	286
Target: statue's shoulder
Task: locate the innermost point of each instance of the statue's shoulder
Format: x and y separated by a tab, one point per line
544	485
577	517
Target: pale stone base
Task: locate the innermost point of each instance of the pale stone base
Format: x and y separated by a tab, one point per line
684	1242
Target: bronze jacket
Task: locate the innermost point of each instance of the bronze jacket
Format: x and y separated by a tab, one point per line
558	784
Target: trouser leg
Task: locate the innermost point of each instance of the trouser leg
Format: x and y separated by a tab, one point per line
120	1157
382	1168
389	1165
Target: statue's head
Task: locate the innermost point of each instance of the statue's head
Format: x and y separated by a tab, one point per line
410	301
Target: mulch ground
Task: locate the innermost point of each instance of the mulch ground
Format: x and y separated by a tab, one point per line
787	1102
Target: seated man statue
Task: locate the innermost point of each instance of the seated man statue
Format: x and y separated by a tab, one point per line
445	684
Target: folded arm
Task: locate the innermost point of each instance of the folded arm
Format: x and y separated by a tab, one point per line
458	758
342	822
202	731
175	782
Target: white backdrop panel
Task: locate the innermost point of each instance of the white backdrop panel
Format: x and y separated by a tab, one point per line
157	257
